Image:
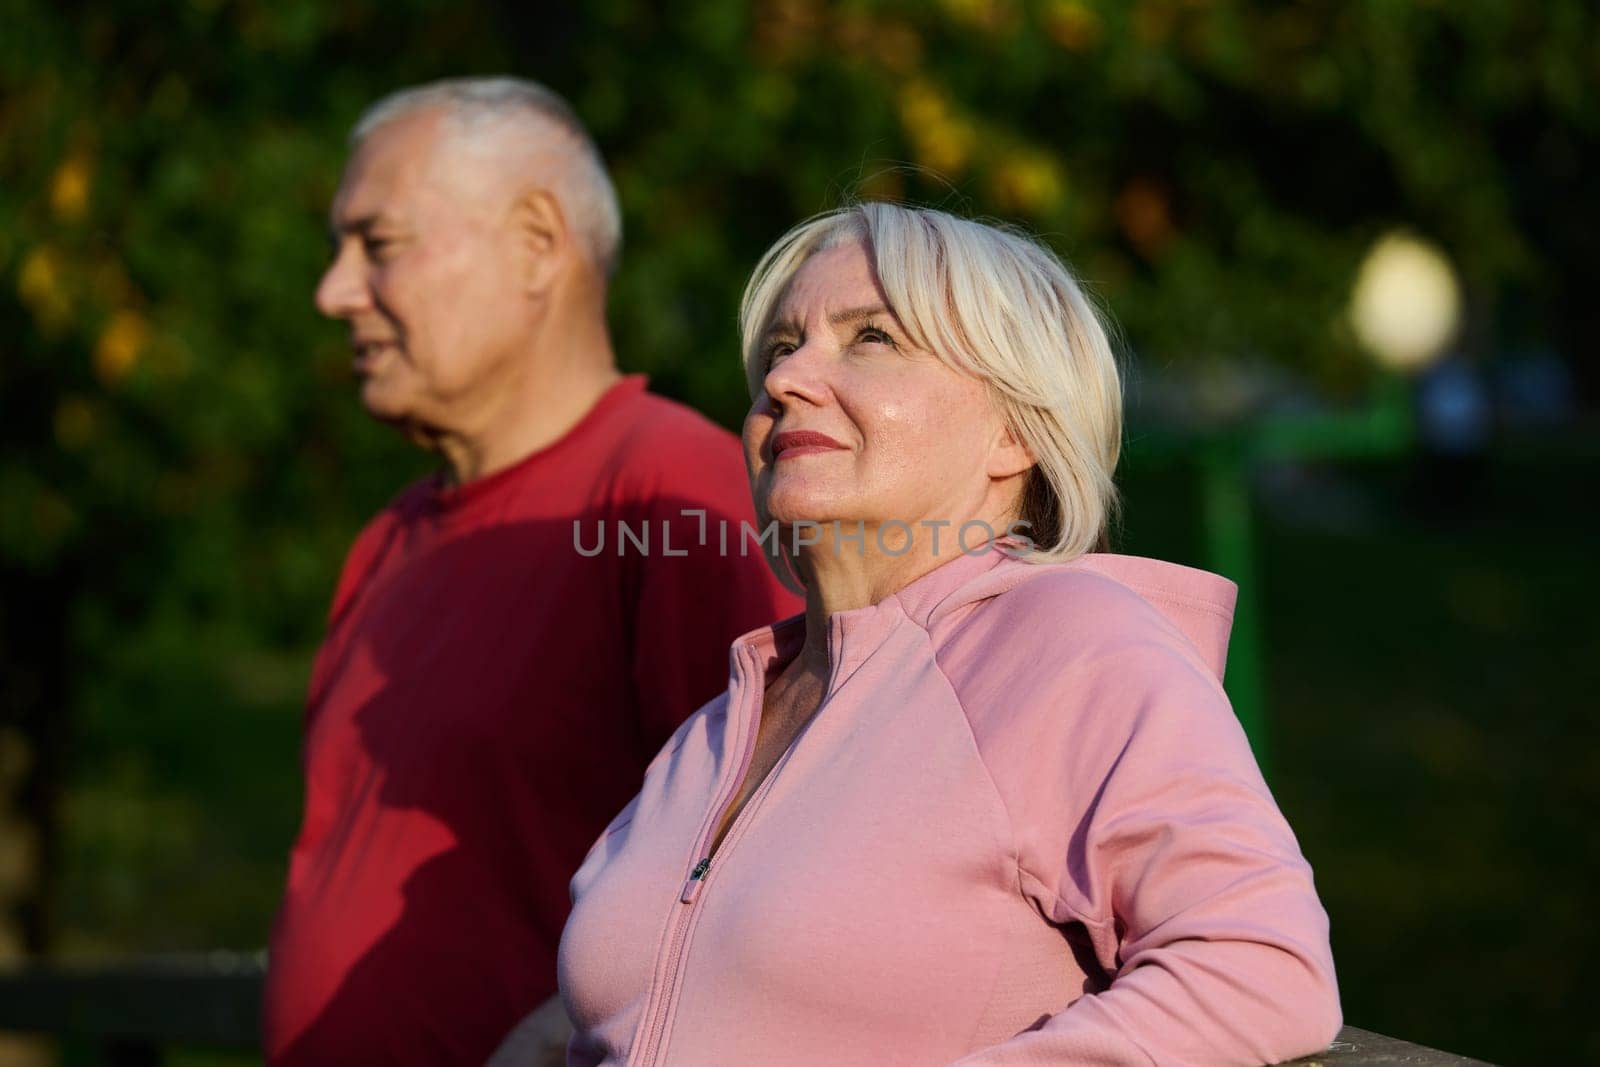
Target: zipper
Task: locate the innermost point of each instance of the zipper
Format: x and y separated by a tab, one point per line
656	1031
691	888
656	1015
678	947
655	1020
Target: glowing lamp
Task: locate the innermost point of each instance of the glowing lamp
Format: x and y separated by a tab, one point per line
1406	305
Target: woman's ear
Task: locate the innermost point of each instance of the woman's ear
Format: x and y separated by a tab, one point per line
542	239
1008	455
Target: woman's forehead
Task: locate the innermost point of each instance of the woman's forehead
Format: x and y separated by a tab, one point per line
834	278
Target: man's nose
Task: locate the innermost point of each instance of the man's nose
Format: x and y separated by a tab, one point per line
343	289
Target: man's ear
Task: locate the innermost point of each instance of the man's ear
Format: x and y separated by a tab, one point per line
1008	455
543	239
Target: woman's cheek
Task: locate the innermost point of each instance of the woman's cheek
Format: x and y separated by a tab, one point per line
757	428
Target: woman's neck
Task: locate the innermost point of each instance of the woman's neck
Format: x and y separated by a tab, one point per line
841	579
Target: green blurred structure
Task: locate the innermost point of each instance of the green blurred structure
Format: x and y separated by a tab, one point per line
1223	462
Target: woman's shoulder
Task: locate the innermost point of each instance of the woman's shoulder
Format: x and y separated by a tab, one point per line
1047	636
1077	608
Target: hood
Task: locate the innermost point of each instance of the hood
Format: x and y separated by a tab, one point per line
1197	602
1200	604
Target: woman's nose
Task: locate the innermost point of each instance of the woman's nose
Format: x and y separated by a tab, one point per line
800	375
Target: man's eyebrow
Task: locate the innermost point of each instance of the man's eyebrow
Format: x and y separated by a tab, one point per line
358	224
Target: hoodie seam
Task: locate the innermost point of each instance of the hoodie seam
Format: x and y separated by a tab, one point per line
977	750
1096	926
1042	888
950	603
1014	854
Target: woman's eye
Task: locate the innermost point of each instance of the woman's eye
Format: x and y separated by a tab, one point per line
377	246
875	335
777	350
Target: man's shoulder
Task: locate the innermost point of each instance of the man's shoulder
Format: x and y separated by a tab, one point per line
375	539
668	447
658	426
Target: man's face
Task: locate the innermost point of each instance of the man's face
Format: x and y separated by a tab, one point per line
425	273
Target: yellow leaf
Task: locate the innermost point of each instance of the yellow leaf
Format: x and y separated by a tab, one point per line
38	279
120	345
40	287
940	140
983	14
69	189
1072	25
1030	183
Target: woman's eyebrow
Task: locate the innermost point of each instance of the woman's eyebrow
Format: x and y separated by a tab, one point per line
857	314
781	328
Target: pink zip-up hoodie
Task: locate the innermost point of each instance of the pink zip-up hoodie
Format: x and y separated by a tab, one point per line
1024	827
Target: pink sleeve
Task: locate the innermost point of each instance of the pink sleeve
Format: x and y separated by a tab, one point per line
1176	861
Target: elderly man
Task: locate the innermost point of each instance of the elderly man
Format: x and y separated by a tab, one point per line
487	696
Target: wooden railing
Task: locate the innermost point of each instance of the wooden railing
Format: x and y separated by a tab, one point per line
133	1010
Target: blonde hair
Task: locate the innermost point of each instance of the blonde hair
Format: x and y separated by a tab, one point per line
992	302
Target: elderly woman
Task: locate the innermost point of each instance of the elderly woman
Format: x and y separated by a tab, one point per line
982	802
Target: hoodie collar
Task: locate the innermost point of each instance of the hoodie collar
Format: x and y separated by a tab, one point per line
853	635
1200	604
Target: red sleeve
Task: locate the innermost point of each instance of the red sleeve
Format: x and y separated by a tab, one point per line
692	606
360	563
366	557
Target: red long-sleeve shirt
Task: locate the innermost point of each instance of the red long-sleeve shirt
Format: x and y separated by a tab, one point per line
486	699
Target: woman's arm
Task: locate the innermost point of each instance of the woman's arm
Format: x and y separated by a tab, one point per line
1186	877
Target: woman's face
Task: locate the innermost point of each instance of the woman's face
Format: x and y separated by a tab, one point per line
855	423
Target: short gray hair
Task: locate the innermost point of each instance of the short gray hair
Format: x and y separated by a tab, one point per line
470	104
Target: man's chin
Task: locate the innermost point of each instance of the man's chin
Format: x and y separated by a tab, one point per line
384	403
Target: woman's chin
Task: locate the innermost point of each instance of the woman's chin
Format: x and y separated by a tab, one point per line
789	508
818	519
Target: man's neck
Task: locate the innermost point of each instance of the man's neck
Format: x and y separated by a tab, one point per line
535	409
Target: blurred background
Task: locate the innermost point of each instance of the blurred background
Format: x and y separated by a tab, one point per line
1349	244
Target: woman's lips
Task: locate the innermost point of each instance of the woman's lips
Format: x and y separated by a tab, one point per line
793	443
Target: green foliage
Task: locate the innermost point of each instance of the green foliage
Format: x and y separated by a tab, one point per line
183	463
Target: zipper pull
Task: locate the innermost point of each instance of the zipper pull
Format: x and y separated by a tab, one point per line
692	887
